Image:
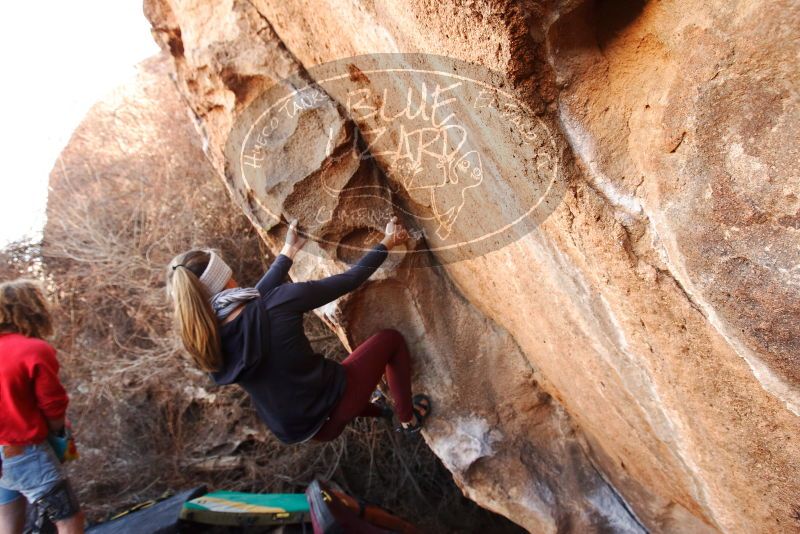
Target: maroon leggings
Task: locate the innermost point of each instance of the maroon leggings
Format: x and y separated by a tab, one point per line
384	351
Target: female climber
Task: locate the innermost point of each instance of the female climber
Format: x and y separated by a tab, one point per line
254	337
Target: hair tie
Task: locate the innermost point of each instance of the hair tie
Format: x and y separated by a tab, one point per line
179	265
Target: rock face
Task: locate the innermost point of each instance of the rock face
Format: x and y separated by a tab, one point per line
629	360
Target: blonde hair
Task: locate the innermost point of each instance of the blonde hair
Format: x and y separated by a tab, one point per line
24	310
195	321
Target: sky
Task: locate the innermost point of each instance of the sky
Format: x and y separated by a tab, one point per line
57	59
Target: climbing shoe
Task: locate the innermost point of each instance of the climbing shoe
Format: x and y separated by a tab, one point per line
421	406
380	400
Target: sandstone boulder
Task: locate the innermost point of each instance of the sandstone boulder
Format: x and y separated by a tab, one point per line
624	359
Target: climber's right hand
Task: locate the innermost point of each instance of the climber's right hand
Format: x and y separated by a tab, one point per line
395	234
294	241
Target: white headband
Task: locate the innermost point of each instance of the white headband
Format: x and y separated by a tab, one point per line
216	275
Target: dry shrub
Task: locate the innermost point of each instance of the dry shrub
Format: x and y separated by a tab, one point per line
21	259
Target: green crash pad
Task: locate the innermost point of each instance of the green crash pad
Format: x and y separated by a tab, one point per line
232	508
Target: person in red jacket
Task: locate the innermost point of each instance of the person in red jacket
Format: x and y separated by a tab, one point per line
33	405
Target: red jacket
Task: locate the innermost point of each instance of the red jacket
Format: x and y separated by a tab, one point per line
30	391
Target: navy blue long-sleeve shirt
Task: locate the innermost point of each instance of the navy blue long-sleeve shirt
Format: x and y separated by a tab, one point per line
266	351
